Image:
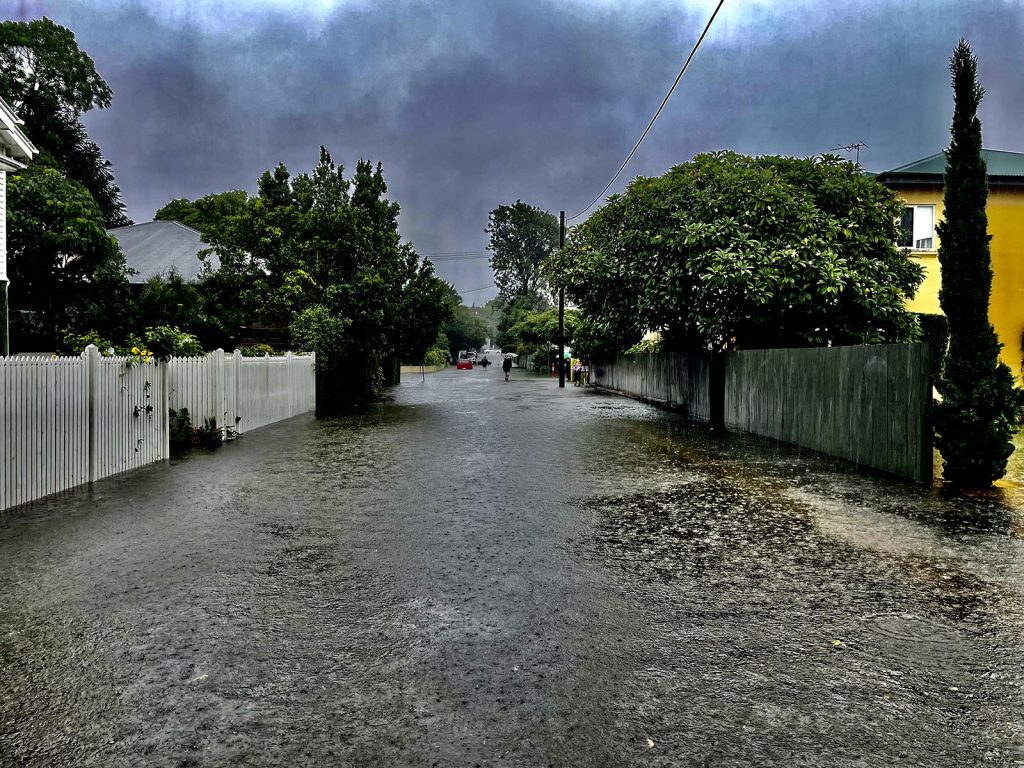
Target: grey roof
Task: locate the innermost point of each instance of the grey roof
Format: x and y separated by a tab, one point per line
1003	167
157	247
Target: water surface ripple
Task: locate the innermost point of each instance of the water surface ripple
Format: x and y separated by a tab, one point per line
492	574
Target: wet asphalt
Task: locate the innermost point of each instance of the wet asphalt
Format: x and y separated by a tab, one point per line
489	574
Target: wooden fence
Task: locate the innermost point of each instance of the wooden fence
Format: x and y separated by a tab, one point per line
673	380
867	404
66	421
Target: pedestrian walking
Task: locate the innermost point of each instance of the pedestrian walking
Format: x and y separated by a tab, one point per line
506	366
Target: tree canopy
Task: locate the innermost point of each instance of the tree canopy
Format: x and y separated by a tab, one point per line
975	420
205	214
521	237
320	254
735	251
66	271
465	330
50	83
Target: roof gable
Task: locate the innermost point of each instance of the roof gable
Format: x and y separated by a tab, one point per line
13	141
158	247
1002	165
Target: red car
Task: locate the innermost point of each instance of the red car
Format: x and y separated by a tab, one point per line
464	365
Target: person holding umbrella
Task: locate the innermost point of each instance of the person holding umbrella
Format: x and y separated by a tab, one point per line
506	366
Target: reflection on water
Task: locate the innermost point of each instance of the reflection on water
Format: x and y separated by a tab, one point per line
810	576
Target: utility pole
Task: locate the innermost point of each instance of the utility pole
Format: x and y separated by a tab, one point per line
561	307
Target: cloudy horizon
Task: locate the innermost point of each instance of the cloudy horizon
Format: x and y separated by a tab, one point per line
469	105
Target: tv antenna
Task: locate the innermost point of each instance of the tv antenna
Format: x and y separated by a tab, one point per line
855	147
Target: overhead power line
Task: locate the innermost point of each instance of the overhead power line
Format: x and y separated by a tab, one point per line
474	290
466	257
454	253
664	101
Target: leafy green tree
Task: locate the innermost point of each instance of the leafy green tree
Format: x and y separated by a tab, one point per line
465	330
317	329
205	214
423	309
438	353
975	420
514	313
50	82
541	328
736	251
66	272
536	334
179	303
521	237
320	254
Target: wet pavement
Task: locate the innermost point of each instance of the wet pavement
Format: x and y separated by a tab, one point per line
492	574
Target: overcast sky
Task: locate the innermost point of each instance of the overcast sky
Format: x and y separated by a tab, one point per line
474	103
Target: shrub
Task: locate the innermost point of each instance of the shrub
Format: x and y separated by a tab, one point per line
647	346
166	341
435	357
184	436
317	330
257	350
72	343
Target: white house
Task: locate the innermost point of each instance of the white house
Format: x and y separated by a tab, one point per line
15	151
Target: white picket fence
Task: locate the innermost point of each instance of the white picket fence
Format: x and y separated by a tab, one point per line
65	421
242	393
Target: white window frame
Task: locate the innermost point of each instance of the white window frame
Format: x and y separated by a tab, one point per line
923	228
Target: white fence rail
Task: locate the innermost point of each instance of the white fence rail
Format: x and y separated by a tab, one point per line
65	421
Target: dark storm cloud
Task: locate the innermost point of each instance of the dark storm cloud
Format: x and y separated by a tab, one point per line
470	104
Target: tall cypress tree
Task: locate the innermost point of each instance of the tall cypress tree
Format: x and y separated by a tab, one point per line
975	421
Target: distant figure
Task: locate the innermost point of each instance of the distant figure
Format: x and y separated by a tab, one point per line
506	366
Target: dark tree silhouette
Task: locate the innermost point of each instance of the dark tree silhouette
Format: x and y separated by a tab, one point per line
975	420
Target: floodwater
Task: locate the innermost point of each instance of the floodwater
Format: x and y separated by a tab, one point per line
491	574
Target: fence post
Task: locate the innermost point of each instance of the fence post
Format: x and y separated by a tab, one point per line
91	359
165	405
219	395
312	375
235	421
290	376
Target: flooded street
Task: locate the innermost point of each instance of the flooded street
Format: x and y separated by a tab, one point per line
491	574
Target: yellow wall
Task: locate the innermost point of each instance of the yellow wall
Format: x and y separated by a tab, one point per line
1006	306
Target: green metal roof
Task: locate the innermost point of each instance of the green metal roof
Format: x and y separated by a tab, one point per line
1005	165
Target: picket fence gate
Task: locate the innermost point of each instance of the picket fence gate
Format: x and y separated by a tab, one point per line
65	421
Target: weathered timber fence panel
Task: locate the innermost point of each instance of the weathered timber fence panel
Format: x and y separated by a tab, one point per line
671	379
867	404
66	421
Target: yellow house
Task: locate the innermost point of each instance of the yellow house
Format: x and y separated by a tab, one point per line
920	186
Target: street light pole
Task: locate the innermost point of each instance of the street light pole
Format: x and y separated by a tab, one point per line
561	307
